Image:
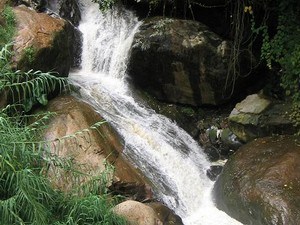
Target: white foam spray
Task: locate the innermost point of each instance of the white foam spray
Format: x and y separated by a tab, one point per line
165	153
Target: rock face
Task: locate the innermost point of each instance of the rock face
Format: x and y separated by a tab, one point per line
89	147
257	116
186	65
153	213
260	183
67	9
42	42
165	215
137	213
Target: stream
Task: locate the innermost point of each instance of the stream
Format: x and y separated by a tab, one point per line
165	153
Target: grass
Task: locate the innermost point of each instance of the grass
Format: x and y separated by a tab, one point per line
7	29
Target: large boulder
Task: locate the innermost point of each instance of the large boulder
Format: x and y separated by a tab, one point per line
180	61
257	116
260	183
42	42
70	136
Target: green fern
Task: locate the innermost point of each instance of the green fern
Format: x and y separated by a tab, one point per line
26	194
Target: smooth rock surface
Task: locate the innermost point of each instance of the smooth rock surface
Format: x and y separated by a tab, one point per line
186	65
260	183
42	42
256	116
70	135
137	213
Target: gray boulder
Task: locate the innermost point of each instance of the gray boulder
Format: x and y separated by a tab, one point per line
257	116
181	61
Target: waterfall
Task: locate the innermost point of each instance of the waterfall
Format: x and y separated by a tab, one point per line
165	153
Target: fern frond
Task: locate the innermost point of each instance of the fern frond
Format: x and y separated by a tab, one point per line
26	194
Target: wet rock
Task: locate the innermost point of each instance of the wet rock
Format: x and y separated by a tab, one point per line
132	191
187	65
260	183
42	42
218	143
165	215
212	152
70	135
137	213
257	116
185	116
67	9
213	172
38	5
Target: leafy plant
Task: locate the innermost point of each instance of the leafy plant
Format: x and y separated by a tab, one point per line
26	194
27	88
282	50
105	5
161	26
29	54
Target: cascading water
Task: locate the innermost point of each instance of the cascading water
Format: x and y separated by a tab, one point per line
166	154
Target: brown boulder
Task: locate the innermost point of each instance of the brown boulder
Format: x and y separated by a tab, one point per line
137	213
42	42
260	183
73	138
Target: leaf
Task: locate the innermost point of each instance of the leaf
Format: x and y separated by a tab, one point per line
43	99
28	103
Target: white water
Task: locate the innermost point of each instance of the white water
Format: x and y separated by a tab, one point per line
166	154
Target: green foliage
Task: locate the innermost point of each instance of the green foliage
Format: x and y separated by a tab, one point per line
29	54
27	88
105	5
5	55
27	197
26	194
161	26
7	30
283	49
